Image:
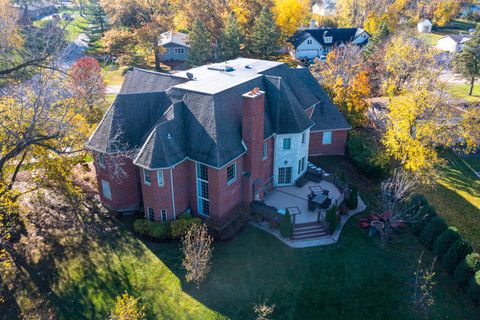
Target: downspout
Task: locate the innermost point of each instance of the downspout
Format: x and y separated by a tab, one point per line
173	195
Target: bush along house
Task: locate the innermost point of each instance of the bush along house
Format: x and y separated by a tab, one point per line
211	138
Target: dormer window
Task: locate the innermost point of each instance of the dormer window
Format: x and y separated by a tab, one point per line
328	39
309	41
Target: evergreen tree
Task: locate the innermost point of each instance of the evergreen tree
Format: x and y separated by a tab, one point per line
97	23
375	40
467	61
200	50
231	39
265	36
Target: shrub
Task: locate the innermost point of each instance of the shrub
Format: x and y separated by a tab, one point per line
474	288
444	241
366	154
432	230
418	200
352	200
331	218
233	227
286	225
466	269
142	226
425	214
181	225
268	213
161	230
455	254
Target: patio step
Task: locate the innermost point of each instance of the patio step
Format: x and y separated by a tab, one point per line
309	231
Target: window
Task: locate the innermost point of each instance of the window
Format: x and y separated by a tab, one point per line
303	138
203	203
202	172
107	193
167	51
309	41
160	178
179	50
327	137
301	165
150	214
287	143
265	151
146	176
284	175
101	160
231	173
163	214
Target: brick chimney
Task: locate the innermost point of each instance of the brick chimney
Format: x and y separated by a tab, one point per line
253	112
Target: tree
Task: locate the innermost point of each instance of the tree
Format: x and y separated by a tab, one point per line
231	39
200	50
445	10
289	15
127	308
264	38
247	12
467	61
197	251
119	42
86	82
424	284
97	22
286	225
263	311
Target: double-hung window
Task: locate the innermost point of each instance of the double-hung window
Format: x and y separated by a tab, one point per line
160	178
327	137
265	151
287	143
203	199
163	214
107	193
150	214
303	138
231	173
146	177
301	165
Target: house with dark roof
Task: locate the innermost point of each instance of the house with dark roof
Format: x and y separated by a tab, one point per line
212	137
175	45
317	42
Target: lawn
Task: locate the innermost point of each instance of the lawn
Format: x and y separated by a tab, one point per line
460	90
430	38
455	26
456	196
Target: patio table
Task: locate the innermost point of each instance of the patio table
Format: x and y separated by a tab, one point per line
320	199
293	210
316	189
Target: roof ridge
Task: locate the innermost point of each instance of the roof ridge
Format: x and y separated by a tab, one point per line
157	73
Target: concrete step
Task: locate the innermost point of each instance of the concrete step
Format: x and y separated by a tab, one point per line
310	236
309	231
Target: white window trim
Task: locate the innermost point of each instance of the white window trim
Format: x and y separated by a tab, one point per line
148	214
229	182
163	213
106	183
160	174
145	172
265	151
289	144
304	138
330	140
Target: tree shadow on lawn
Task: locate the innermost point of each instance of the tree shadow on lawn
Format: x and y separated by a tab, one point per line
353	279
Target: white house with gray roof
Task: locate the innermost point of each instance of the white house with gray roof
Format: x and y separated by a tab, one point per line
175	45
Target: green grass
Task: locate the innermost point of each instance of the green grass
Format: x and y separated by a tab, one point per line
473	162
354	279
455	26
456	196
430	38
459	90
74	28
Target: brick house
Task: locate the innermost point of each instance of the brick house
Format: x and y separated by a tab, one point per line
212	137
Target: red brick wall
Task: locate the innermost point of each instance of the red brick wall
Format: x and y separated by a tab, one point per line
125	189
316	147
155	196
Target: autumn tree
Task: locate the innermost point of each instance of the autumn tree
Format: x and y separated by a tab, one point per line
200	50
197	251
289	15
127	307
467	61
119	42
264	39
97	22
444	11
231	39
423	284
86	83
247	12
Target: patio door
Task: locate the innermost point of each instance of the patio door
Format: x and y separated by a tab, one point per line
285	175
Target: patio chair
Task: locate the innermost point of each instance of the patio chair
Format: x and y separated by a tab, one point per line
326	192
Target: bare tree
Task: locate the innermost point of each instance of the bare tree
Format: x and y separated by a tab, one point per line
263	311
423	285
197	250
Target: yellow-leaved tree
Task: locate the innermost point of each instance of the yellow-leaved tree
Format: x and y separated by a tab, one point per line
290	15
445	10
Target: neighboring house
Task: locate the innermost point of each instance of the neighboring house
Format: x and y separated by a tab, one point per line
38	9
425	26
311	43
325	8
175	44
452	43
213	137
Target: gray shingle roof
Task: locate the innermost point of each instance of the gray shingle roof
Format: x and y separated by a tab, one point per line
169	121
339	35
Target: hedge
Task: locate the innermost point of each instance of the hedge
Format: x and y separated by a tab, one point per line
157	230
331	218
181	225
474	288
444	241
466	269
425	214
455	254
352	200
432	230
366	154
286	225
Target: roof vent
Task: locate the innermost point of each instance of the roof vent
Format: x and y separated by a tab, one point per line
221	68
190	76
248	66
169	136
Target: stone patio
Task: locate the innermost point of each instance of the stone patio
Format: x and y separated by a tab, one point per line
292	196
